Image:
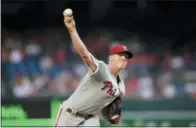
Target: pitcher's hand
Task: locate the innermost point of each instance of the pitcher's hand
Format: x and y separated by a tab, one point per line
69	22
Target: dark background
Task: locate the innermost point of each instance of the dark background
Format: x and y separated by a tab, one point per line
174	20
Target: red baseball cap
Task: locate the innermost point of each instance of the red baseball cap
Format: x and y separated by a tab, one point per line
121	49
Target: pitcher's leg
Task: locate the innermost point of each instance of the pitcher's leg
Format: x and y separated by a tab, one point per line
66	119
92	122
60	118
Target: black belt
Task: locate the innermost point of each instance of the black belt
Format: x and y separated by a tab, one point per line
85	116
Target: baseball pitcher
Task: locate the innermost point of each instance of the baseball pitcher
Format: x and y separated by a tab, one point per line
100	88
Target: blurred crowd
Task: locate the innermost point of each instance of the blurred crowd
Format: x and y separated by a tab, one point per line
42	63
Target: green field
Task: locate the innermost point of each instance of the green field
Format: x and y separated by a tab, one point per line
124	122
177	118
32	122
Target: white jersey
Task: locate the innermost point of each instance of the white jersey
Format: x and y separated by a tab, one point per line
96	90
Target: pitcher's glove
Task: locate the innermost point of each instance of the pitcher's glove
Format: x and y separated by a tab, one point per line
112	112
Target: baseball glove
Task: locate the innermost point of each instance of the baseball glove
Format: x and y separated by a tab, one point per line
112	112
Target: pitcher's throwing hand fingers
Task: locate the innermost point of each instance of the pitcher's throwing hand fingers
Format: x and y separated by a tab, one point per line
68	18
69	22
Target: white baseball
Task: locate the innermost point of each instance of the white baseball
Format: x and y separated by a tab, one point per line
115	117
67	12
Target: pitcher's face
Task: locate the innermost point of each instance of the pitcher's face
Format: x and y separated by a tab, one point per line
119	60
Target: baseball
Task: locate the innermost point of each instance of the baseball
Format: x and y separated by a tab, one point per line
67	12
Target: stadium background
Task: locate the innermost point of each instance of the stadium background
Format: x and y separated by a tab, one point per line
40	68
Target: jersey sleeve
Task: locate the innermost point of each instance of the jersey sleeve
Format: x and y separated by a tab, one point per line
100	67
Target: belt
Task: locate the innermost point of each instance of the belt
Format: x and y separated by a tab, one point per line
85	116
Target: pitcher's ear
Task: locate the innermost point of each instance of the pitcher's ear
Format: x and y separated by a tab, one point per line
111	57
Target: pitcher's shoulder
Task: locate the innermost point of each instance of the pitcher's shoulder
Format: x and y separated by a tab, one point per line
102	63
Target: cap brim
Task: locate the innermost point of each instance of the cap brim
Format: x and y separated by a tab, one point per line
129	54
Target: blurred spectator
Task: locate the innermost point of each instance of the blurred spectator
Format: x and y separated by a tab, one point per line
22	87
15	56
80	69
163	81
10	43
39	81
190	88
50	66
62	83
46	63
135	45
131	86
169	91
4	54
145	87
177	62
60	56
33	49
